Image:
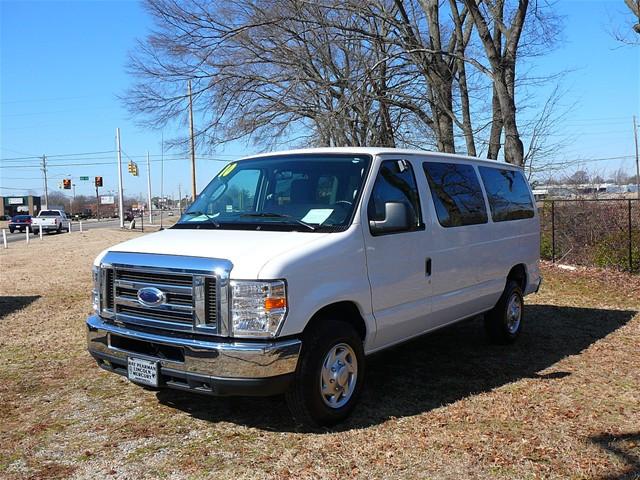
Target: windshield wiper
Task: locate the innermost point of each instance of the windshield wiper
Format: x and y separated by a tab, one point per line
279	215
206	215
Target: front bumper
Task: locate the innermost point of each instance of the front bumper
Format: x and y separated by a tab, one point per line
212	367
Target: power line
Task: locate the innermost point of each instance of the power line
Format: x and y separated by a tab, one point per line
92	156
90	164
57	155
55	99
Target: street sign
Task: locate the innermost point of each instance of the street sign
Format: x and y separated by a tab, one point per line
107	200
84	178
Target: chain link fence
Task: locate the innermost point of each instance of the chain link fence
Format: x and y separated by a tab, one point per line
591	232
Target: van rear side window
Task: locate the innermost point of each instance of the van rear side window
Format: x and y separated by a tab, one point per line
508	194
456	194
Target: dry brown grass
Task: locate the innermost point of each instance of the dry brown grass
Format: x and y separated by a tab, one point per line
561	403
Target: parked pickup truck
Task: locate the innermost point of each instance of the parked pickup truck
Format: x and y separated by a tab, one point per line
51	221
290	268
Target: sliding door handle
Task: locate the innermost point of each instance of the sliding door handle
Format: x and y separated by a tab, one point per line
427	267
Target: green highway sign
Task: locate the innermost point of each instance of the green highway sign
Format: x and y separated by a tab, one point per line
84	178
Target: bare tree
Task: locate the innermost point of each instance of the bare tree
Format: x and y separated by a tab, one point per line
269	69
426	73
634	6
502	55
629	32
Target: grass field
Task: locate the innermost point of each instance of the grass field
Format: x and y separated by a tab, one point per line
564	402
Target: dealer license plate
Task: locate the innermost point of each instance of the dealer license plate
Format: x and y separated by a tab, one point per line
142	371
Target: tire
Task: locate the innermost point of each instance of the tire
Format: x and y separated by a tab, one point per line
305	398
11	230
503	323
59	230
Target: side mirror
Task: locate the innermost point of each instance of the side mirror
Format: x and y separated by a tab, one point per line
395	219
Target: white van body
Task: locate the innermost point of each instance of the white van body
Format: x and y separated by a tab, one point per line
400	285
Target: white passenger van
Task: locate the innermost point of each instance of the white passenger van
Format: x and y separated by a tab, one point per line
290	268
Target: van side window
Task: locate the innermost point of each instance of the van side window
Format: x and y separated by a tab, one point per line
508	194
396	183
457	196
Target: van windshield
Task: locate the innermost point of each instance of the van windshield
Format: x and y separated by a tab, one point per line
294	192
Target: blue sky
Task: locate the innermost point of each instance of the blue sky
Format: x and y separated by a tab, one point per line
62	66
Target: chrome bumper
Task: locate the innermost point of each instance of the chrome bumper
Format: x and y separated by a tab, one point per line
192	358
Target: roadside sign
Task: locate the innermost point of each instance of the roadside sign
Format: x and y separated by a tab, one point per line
84	178
107	200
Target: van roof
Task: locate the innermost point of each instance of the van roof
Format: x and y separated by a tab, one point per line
381	151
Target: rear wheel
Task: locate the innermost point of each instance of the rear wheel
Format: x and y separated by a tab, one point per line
504	322
12	229
59	230
330	375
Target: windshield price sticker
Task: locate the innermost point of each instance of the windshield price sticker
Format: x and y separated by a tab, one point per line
317	215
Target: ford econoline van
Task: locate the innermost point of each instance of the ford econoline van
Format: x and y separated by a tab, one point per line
290	268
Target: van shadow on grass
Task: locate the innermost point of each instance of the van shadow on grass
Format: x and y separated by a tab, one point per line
434	370
10	304
627	448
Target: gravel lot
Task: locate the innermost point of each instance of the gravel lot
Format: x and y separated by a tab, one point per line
562	403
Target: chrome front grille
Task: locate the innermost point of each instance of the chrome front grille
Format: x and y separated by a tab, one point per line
141	276
190	299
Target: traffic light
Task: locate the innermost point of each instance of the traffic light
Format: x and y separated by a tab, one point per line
98	181
66	184
133	168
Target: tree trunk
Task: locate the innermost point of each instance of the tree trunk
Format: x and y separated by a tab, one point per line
496	127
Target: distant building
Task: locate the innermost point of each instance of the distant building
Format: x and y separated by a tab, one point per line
599	190
14	205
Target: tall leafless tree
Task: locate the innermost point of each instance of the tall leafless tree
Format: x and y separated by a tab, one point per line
339	72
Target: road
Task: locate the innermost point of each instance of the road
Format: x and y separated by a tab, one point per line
90	225
86	225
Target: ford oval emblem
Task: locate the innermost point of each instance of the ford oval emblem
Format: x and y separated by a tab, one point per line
151	297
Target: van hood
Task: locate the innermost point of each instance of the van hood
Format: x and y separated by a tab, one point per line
248	250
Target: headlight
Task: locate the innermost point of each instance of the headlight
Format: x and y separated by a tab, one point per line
95	293
257	307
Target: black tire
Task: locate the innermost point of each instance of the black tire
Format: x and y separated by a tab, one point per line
305	399
59	230
501	323
12	229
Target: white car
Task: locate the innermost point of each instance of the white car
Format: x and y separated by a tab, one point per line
290	268
51	221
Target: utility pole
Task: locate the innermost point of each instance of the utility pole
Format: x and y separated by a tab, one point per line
161	178
180	198
149	187
46	188
120	192
73	185
97	202
635	134
193	145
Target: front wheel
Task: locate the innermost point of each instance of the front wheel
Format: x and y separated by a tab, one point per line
504	322
330	375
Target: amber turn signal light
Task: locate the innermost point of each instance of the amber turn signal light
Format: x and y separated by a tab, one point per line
274	303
